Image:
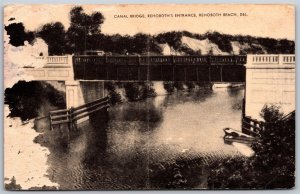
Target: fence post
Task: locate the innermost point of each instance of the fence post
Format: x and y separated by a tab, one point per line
50	118
70	117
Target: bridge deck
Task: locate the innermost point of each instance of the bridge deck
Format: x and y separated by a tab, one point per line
160	68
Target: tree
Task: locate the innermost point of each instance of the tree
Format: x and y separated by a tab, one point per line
272	165
54	35
222	40
18	35
82	26
142	43
275	149
26	98
172	38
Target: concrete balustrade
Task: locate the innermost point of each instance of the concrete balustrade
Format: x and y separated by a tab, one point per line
57	60
270	79
261	60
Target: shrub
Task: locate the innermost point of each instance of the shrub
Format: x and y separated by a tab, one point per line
272	165
169	86
13	185
25	98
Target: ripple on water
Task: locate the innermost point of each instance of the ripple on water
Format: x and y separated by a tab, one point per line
182	126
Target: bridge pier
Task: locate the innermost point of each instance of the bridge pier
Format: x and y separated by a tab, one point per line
74	95
81	92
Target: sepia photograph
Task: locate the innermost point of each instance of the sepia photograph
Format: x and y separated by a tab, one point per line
149	96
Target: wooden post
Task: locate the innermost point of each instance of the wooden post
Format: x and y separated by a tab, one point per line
128	71
139	59
197	74
106	69
139	73
161	72
117	72
209	74
221	73
173	68
50	118
70	117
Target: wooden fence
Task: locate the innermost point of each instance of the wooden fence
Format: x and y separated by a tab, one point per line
289	116
251	126
72	115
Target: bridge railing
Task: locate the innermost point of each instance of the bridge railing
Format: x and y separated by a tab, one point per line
229	59
287	59
136	60
57	60
271	59
191	59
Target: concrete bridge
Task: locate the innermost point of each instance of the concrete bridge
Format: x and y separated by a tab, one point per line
269	78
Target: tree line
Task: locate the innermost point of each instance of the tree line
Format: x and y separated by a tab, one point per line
84	33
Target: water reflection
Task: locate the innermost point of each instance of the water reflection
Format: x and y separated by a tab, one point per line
145	143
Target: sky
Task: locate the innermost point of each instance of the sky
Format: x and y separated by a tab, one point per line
274	21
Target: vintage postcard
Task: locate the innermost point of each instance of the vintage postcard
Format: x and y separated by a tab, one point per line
149	97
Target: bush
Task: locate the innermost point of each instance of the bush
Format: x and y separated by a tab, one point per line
169	86
114	97
179	85
148	91
25	98
190	85
110	86
139	91
132	91
273	164
12	185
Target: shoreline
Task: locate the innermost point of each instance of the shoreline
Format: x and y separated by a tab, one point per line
24	159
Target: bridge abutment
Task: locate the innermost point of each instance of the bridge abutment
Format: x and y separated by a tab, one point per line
91	90
74	96
270	79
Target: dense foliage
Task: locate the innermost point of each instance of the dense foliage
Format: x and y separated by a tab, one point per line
54	35
18	35
138	91
272	165
84	33
26	98
82	28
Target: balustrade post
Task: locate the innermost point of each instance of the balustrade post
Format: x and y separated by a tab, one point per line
280	59
209	59
209	74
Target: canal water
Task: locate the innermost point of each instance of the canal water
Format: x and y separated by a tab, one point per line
151	144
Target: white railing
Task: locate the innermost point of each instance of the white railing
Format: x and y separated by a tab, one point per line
57	60
270	59
287	59
265	59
